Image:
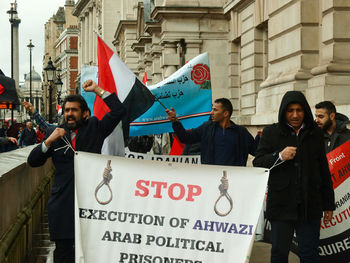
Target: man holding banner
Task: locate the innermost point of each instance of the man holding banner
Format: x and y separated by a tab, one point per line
333	124
77	133
300	185
337	146
222	141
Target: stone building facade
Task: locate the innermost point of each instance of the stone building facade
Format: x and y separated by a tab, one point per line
61	38
67	59
258	49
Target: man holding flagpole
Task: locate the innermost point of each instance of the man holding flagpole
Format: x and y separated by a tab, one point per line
77	133
222	141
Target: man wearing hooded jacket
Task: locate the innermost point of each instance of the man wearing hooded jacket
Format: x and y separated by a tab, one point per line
333	125
299	186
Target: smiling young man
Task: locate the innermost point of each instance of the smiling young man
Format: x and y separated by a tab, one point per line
77	133
299	186
222	141
333	125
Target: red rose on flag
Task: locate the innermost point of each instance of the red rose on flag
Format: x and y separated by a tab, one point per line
200	74
2	89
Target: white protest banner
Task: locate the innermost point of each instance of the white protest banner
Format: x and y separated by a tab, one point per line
192	159
335	235
145	211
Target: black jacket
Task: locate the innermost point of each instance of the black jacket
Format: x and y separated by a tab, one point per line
28	137
89	138
300	188
340	135
205	135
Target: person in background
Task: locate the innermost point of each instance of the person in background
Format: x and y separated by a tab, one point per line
34	114
6	140
28	136
6	132
333	125
20	131
40	134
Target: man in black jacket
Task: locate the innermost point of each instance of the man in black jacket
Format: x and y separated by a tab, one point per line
78	133
333	125
28	136
299	185
222	141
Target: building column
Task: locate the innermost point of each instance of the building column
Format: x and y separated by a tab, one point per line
193	48
86	39
234	77
82	41
91	35
331	77
170	60
131	57
293	52
94	38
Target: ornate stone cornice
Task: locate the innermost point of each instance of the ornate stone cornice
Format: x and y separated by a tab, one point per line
161	12
79	7
152	27
237	5
123	24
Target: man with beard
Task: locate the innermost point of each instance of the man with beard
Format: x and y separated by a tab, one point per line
333	124
300	188
77	133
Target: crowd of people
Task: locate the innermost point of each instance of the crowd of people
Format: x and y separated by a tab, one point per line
300	191
19	135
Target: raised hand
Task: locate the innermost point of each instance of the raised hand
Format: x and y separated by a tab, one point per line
90	85
28	106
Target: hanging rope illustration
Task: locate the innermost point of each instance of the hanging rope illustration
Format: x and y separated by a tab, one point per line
107	177
223	187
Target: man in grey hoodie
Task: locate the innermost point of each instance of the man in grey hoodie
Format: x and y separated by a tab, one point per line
333	124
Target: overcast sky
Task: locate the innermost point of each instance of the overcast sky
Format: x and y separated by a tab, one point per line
33	14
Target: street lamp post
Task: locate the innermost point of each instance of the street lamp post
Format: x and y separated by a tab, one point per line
12	20
11	13
58	84
50	72
30	46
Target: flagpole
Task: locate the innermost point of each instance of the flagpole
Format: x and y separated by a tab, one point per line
155	98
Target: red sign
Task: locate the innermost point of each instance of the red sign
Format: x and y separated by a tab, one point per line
339	163
5	105
2	89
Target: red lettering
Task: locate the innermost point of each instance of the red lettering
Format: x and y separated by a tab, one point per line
326	224
142	188
171	191
158	188
193	190
176	191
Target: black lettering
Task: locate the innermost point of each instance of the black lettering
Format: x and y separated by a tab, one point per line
92	214
82	213
106	236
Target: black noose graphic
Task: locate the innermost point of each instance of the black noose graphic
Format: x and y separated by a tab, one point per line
223	187
107	177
